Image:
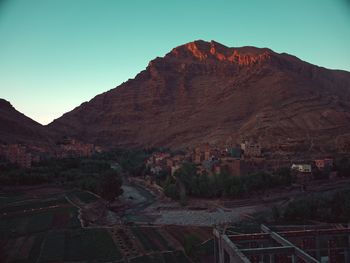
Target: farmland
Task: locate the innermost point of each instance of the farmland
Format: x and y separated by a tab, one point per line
46	228
44	225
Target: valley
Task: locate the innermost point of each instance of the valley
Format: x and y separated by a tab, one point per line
47	223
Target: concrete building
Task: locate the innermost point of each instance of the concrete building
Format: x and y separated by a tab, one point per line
284	244
302	168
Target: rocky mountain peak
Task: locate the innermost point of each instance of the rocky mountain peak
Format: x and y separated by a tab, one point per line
214	51
204	92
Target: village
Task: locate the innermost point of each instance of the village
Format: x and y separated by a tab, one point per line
149	195
24	156
243	159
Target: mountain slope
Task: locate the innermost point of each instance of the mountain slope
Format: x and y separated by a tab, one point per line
207	92
15	127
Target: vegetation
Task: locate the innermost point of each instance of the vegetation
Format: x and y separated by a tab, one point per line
321	174
331	206
46	228
73	172
90	244
100	173
343	167
82	196
33	216
174	257
131	162
110	186
222	184
145	239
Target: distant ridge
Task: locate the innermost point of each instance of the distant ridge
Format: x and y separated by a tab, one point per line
15	127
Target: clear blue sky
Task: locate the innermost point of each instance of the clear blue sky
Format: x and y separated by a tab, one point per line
56	54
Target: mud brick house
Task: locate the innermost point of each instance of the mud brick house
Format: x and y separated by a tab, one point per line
18	154
201	153
216	168
322	164
251	149
72	148
235	152
237	167
158	158
197	156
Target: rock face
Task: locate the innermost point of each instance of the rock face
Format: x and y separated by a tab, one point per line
206	92
15	127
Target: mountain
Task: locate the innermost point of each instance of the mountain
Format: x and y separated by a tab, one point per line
15	127
207	92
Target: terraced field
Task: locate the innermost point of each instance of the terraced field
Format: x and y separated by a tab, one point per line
79	245
45	228
151	239
35	216
179	233
82	196
166	257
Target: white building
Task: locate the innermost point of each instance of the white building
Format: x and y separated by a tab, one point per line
303	168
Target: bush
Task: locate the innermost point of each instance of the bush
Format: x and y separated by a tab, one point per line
170	190
84	173
331	206
225	184
343	167
110	186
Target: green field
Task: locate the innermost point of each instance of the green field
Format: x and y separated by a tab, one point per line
145	241
47	229
10	198
19	223
83	196
166	257
79	245
28	205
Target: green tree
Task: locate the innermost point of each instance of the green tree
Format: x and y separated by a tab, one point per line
321	174
282	176
343	167
233	188
186	175
203	185
170	190
161	177
110	186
